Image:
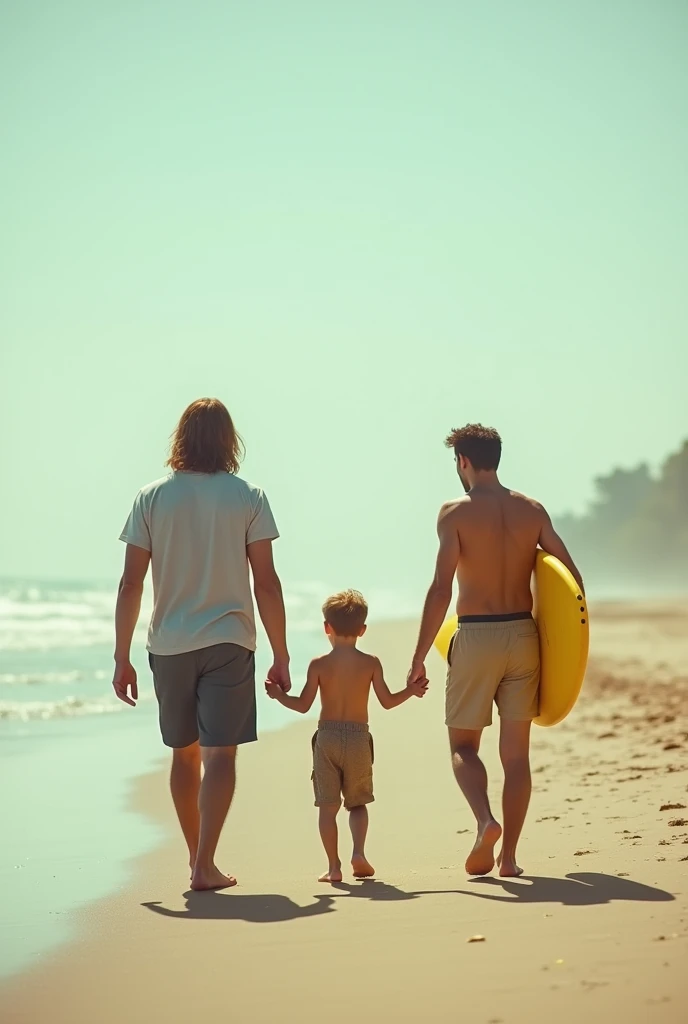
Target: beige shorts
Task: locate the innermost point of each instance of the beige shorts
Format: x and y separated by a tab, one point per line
343	764
492	661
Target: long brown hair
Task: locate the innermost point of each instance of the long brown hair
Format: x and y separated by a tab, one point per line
205	440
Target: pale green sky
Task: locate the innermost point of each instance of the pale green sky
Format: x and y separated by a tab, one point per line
359	224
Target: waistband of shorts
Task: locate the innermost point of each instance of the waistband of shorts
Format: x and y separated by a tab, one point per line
495	620
343	726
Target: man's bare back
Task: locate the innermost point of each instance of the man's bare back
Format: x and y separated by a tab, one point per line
498	533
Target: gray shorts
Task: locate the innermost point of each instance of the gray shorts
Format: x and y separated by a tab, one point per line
207	695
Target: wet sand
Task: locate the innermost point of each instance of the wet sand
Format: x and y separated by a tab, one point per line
597	927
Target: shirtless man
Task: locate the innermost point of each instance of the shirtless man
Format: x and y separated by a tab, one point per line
489	538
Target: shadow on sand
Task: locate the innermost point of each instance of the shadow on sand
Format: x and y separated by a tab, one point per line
578	889
266	908
271	907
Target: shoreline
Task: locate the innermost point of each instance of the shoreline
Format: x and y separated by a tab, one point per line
274	850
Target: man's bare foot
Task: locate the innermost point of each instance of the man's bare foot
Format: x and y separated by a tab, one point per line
333	875
481	859
211	879
508	868
360	867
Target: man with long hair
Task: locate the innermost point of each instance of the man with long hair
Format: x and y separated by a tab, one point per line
200	528
488	540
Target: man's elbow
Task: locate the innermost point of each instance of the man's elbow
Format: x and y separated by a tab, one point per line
440	591
267	586
130	588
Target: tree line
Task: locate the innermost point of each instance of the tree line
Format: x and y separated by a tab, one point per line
635	531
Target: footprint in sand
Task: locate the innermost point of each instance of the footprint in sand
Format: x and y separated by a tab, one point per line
672	807
678	822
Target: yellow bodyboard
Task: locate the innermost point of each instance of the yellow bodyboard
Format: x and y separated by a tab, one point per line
561	612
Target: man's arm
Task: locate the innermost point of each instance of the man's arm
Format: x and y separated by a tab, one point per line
551	542
268	591
302	703
440	592
136	562
391	700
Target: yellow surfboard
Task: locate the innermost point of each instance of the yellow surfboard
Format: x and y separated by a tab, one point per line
562	617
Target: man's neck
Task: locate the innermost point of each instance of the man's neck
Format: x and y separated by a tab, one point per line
486	480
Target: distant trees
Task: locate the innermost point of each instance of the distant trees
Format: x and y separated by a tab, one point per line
636	529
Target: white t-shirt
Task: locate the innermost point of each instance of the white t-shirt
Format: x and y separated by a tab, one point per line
197	527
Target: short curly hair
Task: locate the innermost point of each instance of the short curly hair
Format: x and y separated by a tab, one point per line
346	612
482	446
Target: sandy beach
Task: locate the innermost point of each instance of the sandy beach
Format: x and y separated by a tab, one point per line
597	927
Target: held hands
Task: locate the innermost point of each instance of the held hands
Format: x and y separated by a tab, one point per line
279	676
416	673
273	690
419	687
124	681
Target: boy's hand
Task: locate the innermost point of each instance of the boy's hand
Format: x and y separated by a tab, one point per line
273	690
419	687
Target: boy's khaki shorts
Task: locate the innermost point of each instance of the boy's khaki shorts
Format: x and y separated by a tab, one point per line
492	662
343	764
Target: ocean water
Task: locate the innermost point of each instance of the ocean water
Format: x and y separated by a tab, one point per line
56	643
56	654
70	751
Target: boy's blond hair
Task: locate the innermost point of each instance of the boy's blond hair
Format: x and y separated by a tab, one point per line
346	612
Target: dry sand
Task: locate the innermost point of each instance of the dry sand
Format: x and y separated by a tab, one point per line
598	929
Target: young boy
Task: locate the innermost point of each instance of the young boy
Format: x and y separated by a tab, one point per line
343	746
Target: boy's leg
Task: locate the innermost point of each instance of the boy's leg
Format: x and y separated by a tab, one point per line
327	819
514	744
471	776
358	821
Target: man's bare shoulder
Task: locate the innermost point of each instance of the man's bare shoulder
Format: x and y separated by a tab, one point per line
454	509
526	502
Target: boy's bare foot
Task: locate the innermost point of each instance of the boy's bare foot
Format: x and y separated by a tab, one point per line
481	859
211	879
334	874
508	868
360	867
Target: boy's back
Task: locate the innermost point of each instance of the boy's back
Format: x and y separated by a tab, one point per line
344	677
343	746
